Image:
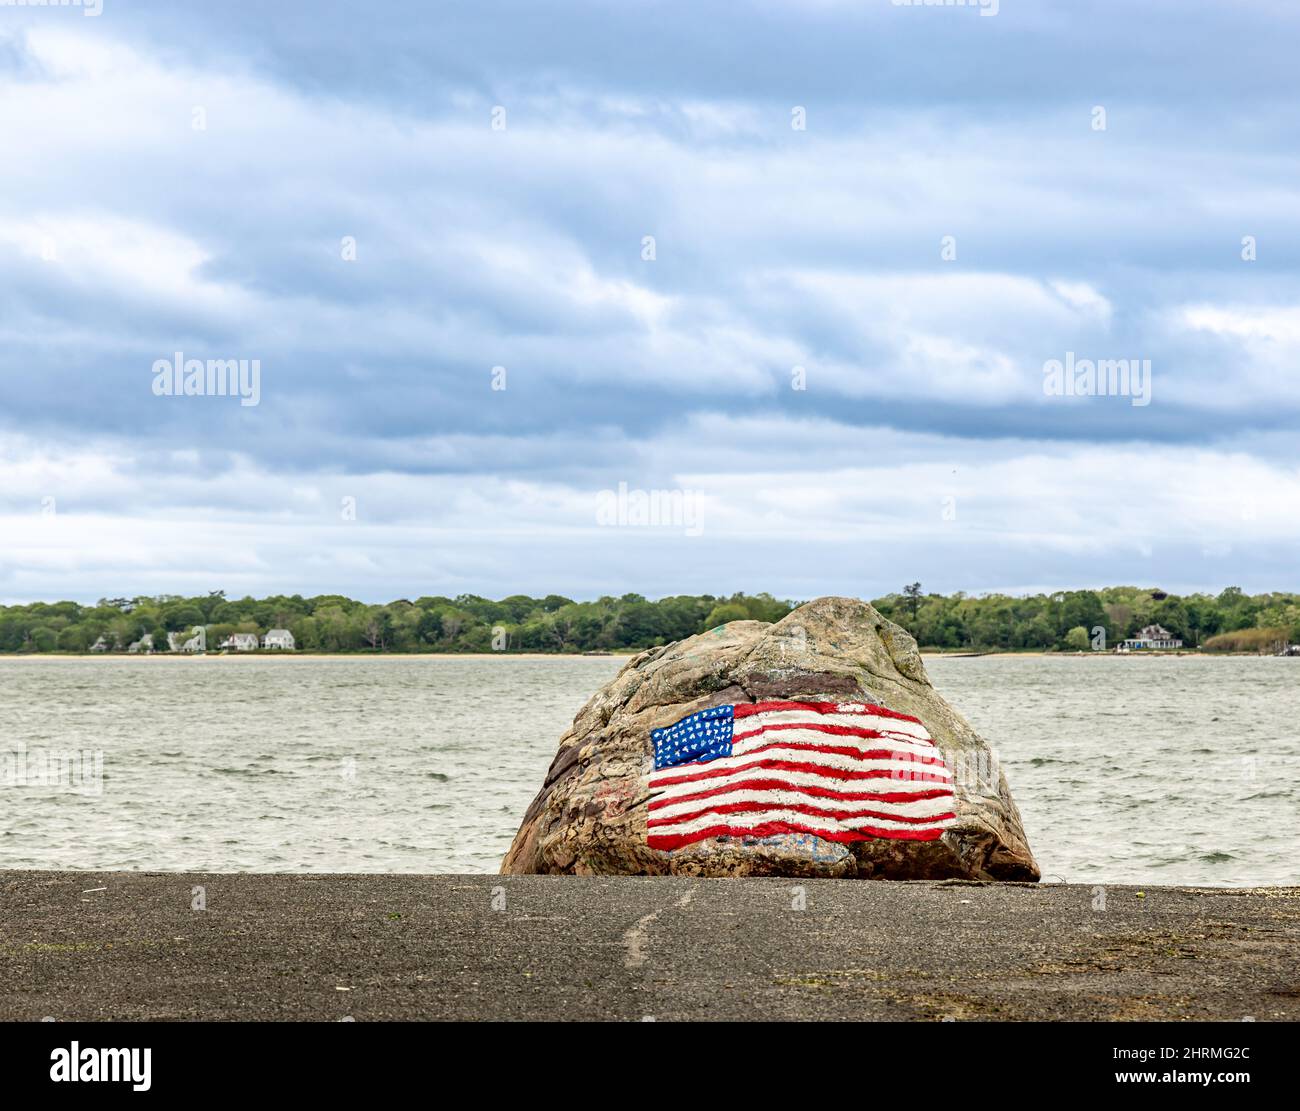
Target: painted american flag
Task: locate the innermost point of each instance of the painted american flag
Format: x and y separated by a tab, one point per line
842	771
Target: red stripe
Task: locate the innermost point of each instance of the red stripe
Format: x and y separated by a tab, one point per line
658	779
769	829
798	808
747	709
837	730
815	792
849	750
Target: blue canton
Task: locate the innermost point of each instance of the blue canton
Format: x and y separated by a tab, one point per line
702	736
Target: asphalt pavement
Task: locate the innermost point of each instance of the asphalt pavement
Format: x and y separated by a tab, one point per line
135	945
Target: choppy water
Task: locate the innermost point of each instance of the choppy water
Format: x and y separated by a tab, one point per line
1157	770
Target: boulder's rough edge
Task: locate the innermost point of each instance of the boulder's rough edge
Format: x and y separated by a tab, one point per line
589	816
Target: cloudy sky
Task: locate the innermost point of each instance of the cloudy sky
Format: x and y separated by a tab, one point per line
382	204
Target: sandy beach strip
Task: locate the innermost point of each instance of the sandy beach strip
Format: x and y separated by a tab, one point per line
129	945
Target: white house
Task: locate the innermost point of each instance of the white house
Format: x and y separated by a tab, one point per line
279	638
144	644
1153	636
101	645
241	642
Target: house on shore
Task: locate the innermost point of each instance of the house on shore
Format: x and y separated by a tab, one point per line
144	644
101	645
280	639
1153	636
240	642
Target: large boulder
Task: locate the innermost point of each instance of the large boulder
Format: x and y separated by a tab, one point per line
589	818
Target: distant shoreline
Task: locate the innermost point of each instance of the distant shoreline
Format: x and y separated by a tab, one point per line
1064	622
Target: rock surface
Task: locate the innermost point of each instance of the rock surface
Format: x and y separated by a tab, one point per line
590	816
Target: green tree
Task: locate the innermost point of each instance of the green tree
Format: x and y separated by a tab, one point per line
182	617
728	611
44	639
913	593
73	639
1078	639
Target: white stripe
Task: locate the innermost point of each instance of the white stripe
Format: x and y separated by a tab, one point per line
793	817
910	729
902	770
901	781
813	737
921	808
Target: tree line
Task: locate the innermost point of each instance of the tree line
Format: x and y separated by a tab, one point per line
1072	620
334	623
1067	620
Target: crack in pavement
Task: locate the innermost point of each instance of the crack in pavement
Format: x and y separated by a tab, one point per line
635	939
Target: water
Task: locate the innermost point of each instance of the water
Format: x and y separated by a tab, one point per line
1157	770
1151	770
